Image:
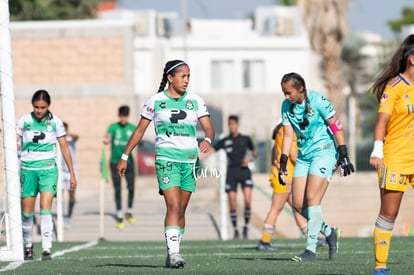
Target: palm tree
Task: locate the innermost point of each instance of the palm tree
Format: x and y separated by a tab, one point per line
326	22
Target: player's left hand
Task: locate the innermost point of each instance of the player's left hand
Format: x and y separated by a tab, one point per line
346	167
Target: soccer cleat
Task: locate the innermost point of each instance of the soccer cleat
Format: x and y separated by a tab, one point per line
130	218
28	253
321	242
382	271
265	247
332	241
306	256
245	230
46	255
175	261
120	223
236	235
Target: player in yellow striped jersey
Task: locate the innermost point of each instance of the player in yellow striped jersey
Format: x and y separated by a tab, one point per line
281	193
393	152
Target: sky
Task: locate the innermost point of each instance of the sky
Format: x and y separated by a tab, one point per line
364	15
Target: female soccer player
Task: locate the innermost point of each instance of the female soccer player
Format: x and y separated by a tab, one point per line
37	133
281	193
175	113
392	155
313	119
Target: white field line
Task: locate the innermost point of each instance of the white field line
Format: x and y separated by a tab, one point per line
15	265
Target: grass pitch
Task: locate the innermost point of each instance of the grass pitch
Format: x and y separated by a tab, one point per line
355	256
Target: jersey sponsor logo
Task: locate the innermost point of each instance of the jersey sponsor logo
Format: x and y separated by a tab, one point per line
177	115
38	136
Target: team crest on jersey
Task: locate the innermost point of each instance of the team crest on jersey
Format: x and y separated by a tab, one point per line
406	97
189	105
49	128
165	179
149	109
384	96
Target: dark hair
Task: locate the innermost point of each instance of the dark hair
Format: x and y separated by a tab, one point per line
297	82
276	130
170	68
398	64
233	117
123	110
41	95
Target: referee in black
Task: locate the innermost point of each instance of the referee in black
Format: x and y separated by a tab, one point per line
240	151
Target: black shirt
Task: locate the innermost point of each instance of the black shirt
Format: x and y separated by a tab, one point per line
235	147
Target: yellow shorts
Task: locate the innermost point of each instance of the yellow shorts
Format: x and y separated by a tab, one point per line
274	181
392	180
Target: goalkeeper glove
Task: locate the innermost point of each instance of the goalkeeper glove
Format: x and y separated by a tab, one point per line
283	169
343	161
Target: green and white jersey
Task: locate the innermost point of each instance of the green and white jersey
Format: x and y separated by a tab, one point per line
175	122
120	135
38	140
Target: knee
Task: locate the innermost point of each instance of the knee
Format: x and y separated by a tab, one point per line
389	215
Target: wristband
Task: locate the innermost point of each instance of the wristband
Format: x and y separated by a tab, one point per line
377	151
207	139
124	157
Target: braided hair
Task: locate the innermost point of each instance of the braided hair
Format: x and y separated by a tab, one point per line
170	68
297	82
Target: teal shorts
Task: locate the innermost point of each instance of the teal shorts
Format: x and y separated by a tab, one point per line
35	181
179	174
322	164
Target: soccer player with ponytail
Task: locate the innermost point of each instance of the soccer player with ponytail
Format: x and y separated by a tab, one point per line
321	149
175	113
392	155
37	134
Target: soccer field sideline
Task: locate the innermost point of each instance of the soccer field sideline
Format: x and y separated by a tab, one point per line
16	264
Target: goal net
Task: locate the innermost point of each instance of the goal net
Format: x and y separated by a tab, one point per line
11	240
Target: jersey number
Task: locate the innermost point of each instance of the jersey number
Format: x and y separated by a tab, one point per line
177	115
38	136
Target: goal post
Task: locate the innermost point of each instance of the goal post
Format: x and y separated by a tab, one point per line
13	250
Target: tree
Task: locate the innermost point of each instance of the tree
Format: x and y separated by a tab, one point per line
23	10
326	22
406	19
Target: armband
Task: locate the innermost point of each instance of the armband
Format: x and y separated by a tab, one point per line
124	157
207	139
335	127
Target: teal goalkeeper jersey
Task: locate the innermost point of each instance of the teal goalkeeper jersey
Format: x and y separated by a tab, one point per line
311	129
38	140
175	122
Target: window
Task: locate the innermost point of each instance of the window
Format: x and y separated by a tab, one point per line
222	74
253	74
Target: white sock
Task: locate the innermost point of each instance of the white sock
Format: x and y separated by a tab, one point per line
172	237
119	214
27	226
46	226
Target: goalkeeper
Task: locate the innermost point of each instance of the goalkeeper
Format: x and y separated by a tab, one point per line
321	149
